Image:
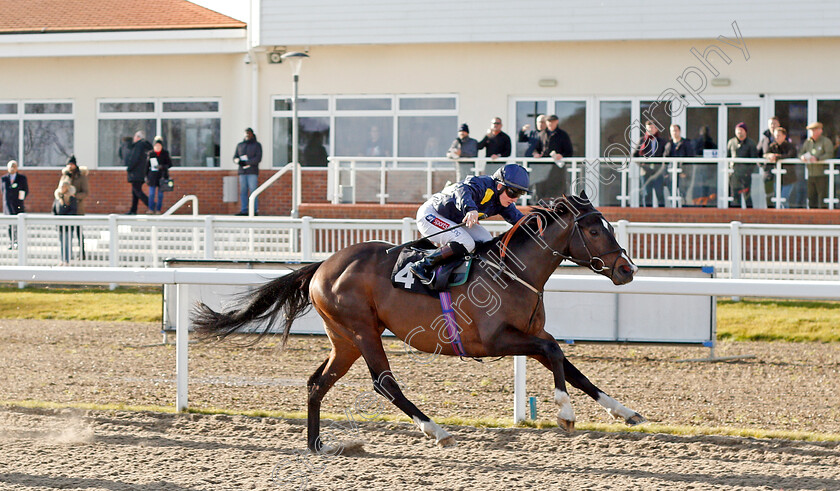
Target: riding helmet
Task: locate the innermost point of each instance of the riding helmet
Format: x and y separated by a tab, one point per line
513	176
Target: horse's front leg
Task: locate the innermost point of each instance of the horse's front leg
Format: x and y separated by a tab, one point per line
512	342
579	381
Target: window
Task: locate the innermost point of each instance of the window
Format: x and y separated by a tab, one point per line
793	116
44	130
191	129
365	126
614	123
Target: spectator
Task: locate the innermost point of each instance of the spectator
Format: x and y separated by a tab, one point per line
248	156
314	153
65	204
462	147
158	163
816	149
134	157
78	178
742	147
769	135
556	144
496	142
532	137
375	146
704	141
15	189
678	146
781	148
652	144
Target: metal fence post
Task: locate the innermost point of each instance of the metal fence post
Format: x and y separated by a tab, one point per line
113	245
735	253
306	239
182	326
407	231
209	239
518	389
21	243
624	236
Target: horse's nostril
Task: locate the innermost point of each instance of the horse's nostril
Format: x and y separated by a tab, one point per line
626	269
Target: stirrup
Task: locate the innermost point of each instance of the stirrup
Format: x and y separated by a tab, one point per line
419	270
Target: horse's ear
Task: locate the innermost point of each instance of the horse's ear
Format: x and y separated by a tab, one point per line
583	195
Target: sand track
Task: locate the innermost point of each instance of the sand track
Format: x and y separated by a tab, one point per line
786	387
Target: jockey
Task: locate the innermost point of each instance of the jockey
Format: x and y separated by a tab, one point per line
464	202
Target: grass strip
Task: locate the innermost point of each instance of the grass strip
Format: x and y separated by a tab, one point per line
647	428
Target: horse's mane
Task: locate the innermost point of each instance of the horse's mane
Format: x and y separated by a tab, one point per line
548	213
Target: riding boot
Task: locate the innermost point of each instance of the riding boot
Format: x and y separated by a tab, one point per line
424	268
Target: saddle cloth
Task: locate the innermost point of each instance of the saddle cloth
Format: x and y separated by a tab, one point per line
452	273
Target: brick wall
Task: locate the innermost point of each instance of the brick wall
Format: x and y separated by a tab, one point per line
111	193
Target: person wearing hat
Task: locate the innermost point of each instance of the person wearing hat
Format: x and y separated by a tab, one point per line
553	143
463	146
465	202
248	156
77	177
816	148
158	163
741	147
15	189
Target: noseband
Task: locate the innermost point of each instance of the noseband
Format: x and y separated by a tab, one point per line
595	263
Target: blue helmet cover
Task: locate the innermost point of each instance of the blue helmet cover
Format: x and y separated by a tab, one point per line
513	176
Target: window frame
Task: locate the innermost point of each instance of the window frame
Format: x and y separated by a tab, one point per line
395	113
158	114
21	117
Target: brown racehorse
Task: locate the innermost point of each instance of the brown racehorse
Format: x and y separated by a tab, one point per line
500	310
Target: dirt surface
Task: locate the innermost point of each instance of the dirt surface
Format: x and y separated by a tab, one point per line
785	387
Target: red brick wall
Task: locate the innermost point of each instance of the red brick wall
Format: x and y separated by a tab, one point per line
111	193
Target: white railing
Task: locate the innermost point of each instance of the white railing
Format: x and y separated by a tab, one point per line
181	277
191	198
735	250
691	181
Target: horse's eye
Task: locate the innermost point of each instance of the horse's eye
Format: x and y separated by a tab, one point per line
594	232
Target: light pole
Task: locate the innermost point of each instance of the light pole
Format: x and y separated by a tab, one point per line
296	58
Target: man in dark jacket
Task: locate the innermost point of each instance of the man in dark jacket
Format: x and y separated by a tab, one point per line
248	156
553	143
134	158
15	189
678	146
742	147
496	142
653	174
532	137
781	149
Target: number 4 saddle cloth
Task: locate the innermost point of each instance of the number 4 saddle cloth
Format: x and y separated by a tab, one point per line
447	275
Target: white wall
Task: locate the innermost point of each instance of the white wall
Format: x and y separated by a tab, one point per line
338	22
84	80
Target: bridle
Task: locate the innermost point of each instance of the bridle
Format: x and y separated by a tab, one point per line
595	263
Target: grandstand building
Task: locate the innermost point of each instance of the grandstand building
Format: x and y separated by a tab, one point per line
394	80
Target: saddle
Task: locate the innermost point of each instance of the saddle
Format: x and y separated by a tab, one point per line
447	275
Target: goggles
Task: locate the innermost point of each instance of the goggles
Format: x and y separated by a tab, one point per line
514	193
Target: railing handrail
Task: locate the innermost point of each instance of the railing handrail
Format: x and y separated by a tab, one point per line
181	202
252	199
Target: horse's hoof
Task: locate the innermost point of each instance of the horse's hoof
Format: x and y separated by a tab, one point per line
448	441
635	419
566	425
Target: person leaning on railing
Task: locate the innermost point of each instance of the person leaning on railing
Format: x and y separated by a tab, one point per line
780	149
816	148
742	147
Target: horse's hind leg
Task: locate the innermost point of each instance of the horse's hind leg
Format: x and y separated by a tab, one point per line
341	358
385	384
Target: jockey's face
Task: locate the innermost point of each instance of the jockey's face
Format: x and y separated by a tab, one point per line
504	199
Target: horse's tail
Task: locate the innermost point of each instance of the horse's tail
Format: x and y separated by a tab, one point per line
288	294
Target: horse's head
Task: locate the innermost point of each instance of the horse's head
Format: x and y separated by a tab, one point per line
591	240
